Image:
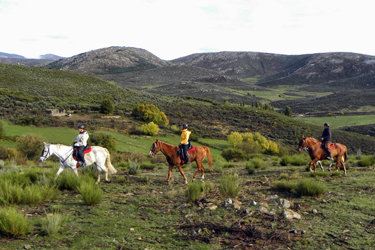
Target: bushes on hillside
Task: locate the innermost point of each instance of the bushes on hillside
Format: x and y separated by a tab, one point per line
150	129
150	113
106	107
30	145
249	143
103	140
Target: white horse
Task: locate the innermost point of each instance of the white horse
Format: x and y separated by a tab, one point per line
98	155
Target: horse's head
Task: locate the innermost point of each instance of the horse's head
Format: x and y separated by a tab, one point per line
302	143
45	152
154	148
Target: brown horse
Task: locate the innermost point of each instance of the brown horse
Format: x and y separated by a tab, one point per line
317	153
171	153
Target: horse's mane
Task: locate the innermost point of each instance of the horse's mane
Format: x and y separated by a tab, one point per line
167	143
313	139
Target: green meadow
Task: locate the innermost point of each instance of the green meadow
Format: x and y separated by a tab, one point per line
340	121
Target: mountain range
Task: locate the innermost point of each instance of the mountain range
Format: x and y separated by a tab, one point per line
313	83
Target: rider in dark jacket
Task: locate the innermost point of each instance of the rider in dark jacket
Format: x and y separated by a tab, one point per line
326	139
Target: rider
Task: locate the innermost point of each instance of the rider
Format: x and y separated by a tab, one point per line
184	142
326	139
80	143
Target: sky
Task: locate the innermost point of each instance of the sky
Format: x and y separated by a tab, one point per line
171	29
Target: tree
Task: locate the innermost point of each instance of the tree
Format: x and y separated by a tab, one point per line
106	107
288	111
150	113
150	129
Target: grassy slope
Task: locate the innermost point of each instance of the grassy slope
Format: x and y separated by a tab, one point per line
125	143
341	121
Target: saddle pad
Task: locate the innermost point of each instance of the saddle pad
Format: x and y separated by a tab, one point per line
192	149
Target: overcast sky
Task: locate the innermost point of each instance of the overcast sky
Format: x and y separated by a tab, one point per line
174	28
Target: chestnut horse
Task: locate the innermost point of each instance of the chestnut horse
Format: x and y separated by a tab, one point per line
317	153
171	153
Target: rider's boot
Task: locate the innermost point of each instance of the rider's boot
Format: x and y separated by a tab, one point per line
187	158
329	157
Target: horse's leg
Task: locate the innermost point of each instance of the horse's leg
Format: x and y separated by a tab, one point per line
59	171
169	174
182	173
98	180
320	164
200	169
313	162
343	164
75	171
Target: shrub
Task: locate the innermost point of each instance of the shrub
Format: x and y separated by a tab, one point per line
53	223
233	153
150	113
308	187
366	161
67	180
283	186
134	169
229	165
121	180
250	168
284	176
30	145
234	139
147	166
319	174
106	107
229	185
91	193
194	190
257	163
150	129
13	223
103	140
286	160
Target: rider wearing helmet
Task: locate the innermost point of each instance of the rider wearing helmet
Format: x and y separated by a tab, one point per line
326	139
80	144
184	142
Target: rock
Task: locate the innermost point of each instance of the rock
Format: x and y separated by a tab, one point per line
253	203
273	196
228	202
27	247
237	205
290	214
324	201
283	203
182	206
243	197
247	210
212	207
131	229
314	211
263	208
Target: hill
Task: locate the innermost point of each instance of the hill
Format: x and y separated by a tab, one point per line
27	91
6	55
111	60
237	77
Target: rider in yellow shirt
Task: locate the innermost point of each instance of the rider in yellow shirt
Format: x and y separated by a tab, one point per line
184	142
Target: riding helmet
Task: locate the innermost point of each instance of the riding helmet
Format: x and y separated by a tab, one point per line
326	124
184	125
81	126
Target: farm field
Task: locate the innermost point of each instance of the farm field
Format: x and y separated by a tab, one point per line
141	212
340	121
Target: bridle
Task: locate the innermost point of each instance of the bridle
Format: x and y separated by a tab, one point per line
61	158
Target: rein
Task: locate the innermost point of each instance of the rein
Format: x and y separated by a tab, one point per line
61	157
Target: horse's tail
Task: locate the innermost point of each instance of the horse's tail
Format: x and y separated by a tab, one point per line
208	157
346	155
108	164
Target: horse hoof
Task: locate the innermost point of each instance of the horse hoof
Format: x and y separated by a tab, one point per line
108	181
167	183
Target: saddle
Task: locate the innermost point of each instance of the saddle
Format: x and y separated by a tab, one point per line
181	152
331	146
75	152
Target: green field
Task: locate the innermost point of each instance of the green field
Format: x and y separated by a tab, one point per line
340	121
125	143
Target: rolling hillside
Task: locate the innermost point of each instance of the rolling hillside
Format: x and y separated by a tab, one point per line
27	91
237	77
